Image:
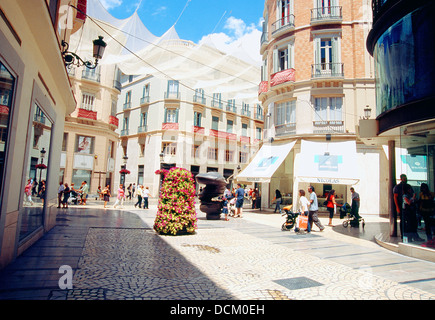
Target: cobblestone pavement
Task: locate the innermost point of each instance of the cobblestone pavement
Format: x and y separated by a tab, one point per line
115	255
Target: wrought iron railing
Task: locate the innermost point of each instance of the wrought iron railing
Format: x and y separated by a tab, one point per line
327	70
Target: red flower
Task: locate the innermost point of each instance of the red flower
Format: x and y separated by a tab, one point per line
124	171
41	166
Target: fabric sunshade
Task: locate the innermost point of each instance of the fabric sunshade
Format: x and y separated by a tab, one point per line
327	162
266	162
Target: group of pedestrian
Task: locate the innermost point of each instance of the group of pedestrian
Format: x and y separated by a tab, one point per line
310	208
30	190
411	210
238	195
142	194
64	193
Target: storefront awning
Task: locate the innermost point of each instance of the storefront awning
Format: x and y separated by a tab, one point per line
327	162
266	162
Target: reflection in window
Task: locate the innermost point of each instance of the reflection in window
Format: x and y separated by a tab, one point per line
34	197
7	82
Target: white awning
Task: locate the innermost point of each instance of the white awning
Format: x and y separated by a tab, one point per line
266	162
327	162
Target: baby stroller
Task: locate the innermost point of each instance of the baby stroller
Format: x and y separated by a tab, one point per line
351	219
290	220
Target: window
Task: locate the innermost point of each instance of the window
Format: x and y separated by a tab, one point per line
328	109
125	123
229	126
243	157
217	103
65	141
215	123
284	13
169	148
143	119
285	113
327	56
258	134
199	96
140	174
88	101
146	90
283	57
244	129
172	88
229	155
171	115
127	103
84	144
197	117
212	154
7	83
113	109
195	151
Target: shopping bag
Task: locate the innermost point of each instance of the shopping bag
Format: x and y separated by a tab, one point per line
302	222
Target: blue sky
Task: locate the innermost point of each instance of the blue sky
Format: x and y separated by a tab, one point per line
230	23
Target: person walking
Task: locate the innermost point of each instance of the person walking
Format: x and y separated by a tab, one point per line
331	206
355	203
304	205
254	198
240	195
139	196
66	192
145	196
426	208
106	195
225	207
313	216
278	199
85	191
130	191
28	191
120	197
60	194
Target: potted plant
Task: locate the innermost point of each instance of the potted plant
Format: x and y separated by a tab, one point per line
176	212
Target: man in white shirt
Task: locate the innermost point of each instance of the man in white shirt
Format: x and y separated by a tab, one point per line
314	209
145	195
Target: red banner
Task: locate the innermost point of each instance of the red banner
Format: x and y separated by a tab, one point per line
88	114
223	134
262	87
282	77
113	120
81	5
170	126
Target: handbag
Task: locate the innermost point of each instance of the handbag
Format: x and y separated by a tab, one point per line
302	222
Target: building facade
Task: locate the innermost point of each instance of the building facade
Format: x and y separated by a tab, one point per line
317	80
164	123
404	123
35	96
90	138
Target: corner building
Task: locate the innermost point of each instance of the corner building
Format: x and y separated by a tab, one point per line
401	43
317	82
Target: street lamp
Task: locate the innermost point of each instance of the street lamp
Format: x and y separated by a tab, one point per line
42	165
71	58
367	112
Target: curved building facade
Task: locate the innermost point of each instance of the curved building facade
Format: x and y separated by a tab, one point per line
401	43
317	82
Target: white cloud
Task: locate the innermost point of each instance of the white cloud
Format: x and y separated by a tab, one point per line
110	4
242	41
160	10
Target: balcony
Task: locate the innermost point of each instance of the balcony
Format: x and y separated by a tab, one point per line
259	116
262	88
325	15
283	25
144	100
172	95
222	134
217	104
327	70
246	113
332	126
124	133
38	118
87	114
199	99
93	76
114	120
117	85
284	129
280	77
170	126
142	129
126	106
